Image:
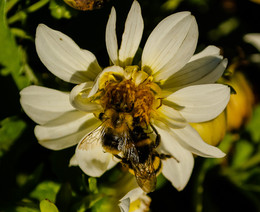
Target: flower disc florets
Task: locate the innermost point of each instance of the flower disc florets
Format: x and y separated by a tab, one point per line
133	93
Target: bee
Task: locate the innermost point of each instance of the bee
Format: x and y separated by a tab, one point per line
86	4
123	136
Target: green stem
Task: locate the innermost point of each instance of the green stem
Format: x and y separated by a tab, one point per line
10	4
21	15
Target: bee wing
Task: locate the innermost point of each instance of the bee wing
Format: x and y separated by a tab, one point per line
91	138
90	155
146	181
145	175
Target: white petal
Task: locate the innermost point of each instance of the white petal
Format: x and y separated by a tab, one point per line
111	39
178	169
254	39
107	71
79	98
209	50
44	104
203	68
170	117
170	45
65	131
201	102
124	205
133	195
73	161
91	157
132	35
190	139
62	56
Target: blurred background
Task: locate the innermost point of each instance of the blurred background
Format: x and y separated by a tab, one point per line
29	173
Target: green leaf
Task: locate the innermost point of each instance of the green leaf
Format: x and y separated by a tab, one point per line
60	10
25	209
93	185
243	150
10	130
48	206
46	190
64	197
10	56
253	125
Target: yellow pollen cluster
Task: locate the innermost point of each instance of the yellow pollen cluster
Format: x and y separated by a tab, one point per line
126	97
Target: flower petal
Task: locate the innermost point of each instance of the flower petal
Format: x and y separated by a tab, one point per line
133	195
170	117
111	39
62	56
203	68
190	139
132	35
124	205
73	161
170	45
91	156
178	169
79	98
201	102
44	104
254	39
65	131
106	73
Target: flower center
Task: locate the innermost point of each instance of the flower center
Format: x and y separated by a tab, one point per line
126	97
134	94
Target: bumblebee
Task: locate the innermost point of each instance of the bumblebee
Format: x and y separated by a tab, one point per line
126	131
123	136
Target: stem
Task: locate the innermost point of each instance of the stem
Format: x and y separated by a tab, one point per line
22	14
10	4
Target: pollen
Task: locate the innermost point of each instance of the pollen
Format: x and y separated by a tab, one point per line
127	97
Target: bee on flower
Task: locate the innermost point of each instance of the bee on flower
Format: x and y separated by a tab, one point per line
137	115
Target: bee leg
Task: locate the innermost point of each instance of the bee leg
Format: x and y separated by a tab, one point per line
158	137
118	157
165	156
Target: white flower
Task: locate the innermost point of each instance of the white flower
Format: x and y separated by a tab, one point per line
169	89
254	39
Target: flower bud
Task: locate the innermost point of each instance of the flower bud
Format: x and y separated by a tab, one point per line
213	131
239	108
85	4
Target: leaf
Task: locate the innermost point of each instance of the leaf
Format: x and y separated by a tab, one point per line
10	130
11	57
64	197
59	10
253	125
93	185
243	150
46	190
48	206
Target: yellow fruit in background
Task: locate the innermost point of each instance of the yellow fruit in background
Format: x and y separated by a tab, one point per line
240	106
212	132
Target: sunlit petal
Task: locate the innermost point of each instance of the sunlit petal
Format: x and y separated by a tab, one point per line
203	68
66	130
62	56
132	35
170	45
190	139
179	168
79	98
111	39
91	157
44	104
201	102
